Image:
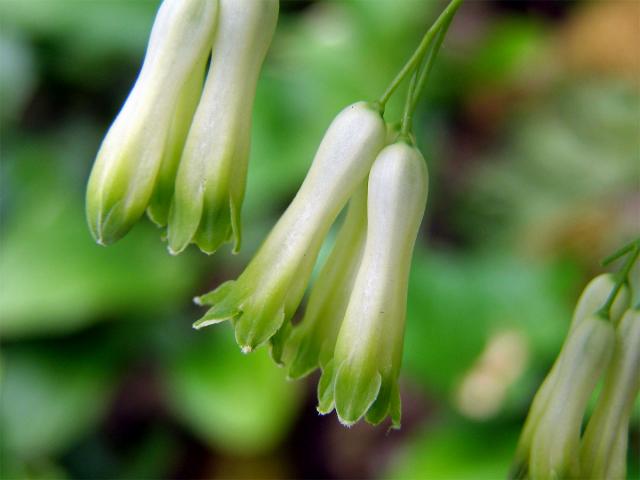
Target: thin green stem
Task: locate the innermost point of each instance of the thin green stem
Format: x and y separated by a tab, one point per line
407	116
623	275
433	53
621	252
418	54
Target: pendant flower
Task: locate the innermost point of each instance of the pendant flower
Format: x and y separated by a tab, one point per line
592	298
311	343
361	378
555	445
210	183
125	173
268	292
604	448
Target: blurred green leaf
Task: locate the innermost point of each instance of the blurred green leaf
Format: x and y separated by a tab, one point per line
55	278
572	154
50	398
240	403
17	75
457	302
453	450
86	31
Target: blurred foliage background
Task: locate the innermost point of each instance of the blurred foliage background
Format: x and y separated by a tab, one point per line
531	128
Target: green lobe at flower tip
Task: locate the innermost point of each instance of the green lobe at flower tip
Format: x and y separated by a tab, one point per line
215	158
128	162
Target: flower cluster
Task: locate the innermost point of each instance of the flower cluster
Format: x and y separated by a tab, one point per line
602	342
179	147
354	323
179	150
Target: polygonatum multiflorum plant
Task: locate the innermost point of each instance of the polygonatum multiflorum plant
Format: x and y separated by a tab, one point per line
179	150
602	346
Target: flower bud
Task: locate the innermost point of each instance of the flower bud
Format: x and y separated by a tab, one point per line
362	377
591	300
270	289
312	341
604	447
212	174
556	439
126	168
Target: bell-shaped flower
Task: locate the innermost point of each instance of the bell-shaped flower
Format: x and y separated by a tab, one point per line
124	175
555	447
591	300
270	289
211	177
311	343
604	444
362	377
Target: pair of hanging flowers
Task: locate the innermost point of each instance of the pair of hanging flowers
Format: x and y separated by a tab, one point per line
603	345
179	150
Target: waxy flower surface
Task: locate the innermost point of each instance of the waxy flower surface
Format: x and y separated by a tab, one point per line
128	163
211	178
362	377
556	438
604	449
592	298
311	343
270	289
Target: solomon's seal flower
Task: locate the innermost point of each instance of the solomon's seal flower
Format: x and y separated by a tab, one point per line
362	377
269	291
592	298
211	178
604	449
556	440
124	175
158	210
312	341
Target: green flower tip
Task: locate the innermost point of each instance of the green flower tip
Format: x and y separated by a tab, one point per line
161	154
361	380
136	162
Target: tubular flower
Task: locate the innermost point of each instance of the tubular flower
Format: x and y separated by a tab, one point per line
592	298
128	163
270	289
556	440
312	341
604	448
211	178
158	210
361	378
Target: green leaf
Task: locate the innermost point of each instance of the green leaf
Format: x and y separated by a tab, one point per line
240	403
50	398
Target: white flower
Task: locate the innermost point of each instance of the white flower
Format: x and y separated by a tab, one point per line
591	300
362	377
269	291
555	446
604	448
311	343
212	174
124	175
